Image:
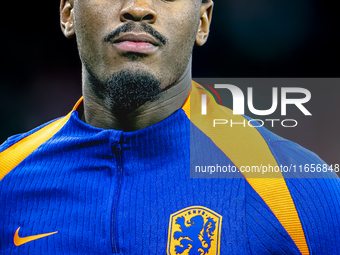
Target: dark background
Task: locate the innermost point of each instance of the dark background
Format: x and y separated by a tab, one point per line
41	72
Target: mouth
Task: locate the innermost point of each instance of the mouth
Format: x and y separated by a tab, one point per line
138	43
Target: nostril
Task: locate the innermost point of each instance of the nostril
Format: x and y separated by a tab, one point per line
148	17
128	16
137	16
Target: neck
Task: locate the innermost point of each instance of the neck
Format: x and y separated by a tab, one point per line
97	112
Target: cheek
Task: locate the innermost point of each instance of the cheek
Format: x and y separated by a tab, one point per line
90	26
181	31
85	32
183	27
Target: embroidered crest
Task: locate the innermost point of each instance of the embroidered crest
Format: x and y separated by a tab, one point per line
194	230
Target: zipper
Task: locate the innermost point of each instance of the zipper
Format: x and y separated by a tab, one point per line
117	150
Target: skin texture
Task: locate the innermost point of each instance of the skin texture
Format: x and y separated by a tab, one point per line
178	24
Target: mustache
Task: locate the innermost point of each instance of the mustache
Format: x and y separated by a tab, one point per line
132	27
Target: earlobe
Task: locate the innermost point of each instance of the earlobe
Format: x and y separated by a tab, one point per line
204	27
67	18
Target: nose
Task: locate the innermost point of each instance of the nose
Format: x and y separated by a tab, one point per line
138	10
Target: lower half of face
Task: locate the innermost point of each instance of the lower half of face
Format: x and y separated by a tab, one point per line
113	43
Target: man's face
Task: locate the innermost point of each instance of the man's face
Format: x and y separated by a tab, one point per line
154	36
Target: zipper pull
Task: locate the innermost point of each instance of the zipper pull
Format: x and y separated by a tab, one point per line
116	147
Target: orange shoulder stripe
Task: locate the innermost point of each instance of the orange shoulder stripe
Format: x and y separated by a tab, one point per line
15	154
251	150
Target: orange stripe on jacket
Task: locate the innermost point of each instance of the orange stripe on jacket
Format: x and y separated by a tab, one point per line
15	154
245	146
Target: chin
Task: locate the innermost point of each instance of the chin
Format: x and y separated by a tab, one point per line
129	89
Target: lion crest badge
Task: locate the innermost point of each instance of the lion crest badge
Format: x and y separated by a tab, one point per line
194	230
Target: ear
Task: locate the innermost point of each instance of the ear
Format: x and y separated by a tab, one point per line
204	27
67	18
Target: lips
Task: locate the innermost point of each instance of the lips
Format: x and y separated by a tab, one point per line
139	43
